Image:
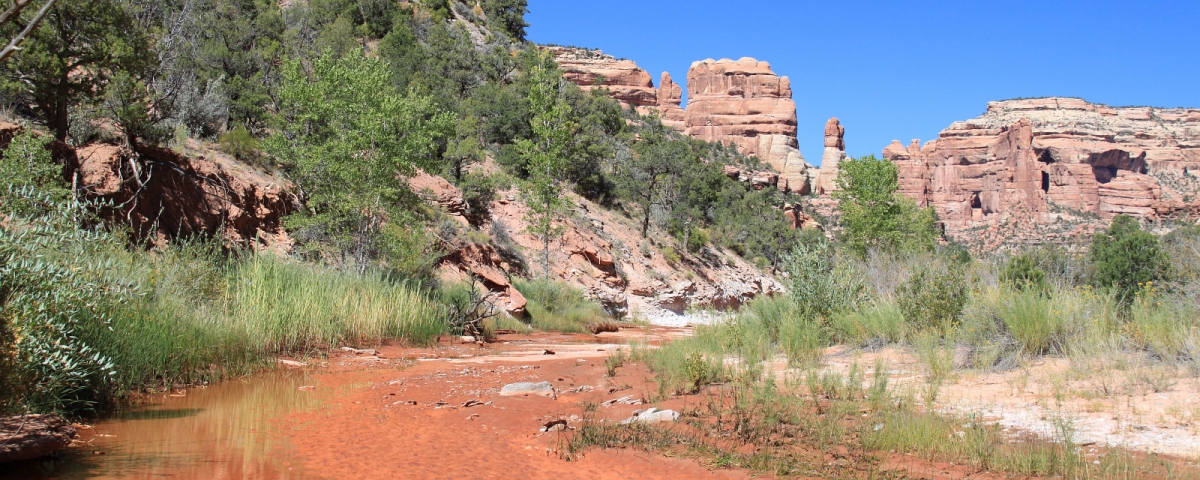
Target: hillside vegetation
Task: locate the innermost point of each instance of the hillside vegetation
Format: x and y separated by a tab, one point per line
342	98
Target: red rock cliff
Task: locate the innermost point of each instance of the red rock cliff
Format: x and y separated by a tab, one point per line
1048	161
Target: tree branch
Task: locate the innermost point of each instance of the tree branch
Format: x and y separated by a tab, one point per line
15	44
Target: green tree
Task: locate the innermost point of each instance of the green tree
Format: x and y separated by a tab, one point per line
71	58
649	175
508	15
12	14
873	215
346	137
545	155
1125	258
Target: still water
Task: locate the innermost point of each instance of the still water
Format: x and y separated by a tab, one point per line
228	430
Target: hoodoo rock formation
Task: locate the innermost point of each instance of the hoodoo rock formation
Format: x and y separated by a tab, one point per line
745	104
670	96
742	103
1056	161
835	151
592	69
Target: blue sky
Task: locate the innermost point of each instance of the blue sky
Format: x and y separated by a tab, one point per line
904	70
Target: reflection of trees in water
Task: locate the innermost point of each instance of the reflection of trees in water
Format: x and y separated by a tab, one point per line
226	430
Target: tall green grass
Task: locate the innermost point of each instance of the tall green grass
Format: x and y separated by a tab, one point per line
556	306
290	307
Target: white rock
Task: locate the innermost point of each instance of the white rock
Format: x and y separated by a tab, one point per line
652	415
527	388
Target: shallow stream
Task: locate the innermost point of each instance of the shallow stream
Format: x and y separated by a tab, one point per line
228	430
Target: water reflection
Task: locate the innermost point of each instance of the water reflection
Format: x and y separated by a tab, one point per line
224	431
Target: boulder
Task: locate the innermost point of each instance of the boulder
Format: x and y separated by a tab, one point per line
520	389
652	415
26	437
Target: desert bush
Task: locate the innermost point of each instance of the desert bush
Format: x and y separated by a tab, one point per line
240	143
1032	320
1125	257
933	299
819	285
1023	273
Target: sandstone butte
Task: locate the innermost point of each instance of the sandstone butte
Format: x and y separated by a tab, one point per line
741	103
1055	167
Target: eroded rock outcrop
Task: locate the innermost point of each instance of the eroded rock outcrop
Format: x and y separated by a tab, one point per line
741	103
1058	162
592	69
746	104
602	255
165	194
835	151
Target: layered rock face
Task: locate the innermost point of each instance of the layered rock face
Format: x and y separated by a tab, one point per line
592	69
741	103
1054	161
745	104
835	151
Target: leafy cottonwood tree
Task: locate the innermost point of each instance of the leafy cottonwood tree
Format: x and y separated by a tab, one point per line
546	154
874	215
347	137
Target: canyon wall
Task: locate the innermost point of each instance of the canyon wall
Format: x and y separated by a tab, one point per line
741	103
1059	162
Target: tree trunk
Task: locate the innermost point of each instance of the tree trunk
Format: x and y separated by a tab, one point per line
546	255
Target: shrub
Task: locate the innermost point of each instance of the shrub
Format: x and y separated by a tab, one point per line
874	215
479	191
1023	273
930	299
240	143
1125	257
1031	319
819	286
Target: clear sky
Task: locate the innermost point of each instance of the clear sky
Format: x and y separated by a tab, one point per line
904	70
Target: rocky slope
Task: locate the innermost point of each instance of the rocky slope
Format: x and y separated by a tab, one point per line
1054	168
742	103
600	252
164	194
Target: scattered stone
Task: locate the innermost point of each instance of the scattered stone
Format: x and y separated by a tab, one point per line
652	415
471	403
25	437
543	389
360	351
626	400
547	352
291	363
554	426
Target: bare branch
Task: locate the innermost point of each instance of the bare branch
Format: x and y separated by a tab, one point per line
15	44
12	11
